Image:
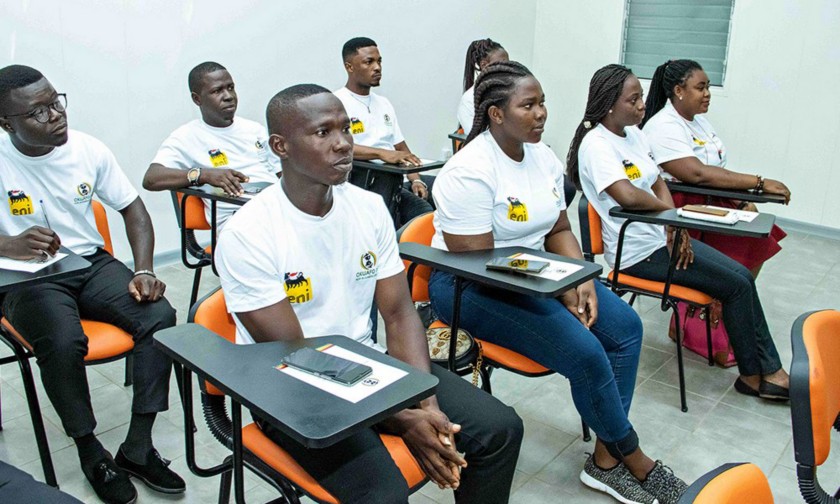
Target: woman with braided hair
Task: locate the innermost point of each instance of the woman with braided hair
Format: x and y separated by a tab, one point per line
504	188
685	145
611	160
480	53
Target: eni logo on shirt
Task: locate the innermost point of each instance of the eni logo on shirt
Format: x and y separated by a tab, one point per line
697	141
517	211
356	126
298	288
19	202
631	170
218	158
368	263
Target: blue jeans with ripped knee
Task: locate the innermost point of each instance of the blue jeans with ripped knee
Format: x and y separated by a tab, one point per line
600	362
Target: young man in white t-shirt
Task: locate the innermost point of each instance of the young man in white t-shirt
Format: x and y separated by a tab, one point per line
220	149
48	170
377	135
306	258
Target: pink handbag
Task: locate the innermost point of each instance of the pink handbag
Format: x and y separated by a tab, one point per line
694	333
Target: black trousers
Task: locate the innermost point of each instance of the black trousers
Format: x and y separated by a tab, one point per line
360	470
732	284
429	180
48	316
403	205
19	487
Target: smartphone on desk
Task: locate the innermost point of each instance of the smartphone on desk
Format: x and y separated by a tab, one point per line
512	264
327	366
703	209
255	187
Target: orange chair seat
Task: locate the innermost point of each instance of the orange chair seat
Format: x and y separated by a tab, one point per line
745	483
677	291
278	459
104	340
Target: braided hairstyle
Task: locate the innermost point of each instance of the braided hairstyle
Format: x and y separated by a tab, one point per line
604	89
667	75
494	86
476	53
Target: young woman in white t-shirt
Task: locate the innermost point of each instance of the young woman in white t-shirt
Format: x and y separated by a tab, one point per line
480	53
505	188
610	160
685	145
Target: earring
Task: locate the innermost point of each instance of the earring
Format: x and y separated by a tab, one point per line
610	111
680	98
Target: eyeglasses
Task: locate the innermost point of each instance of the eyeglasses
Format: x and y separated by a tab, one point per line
42	113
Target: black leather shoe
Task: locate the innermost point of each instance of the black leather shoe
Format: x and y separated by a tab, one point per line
110	483
745	389
773	392
154	473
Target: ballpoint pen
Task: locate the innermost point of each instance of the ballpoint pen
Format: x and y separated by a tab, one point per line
47	255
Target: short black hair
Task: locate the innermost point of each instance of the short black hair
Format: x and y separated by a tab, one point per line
200	70
352	46
283	103
15	77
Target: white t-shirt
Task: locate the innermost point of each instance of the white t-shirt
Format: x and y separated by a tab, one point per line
57	188
466	110
373	121
481	189
242	146
326	266
605	158
672	137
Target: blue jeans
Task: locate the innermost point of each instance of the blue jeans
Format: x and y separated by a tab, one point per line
600	362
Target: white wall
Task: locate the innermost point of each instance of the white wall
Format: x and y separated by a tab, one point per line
778	111
124	64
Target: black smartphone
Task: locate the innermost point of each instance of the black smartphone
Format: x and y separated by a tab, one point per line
327	366
516	265
255	187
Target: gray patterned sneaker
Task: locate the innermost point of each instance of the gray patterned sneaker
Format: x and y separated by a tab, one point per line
662	484
616	482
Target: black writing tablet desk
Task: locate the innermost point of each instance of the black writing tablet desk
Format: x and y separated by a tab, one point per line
309	415
68	266
736	194
458	140
472	266
386	179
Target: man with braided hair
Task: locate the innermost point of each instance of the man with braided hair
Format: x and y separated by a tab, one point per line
377	133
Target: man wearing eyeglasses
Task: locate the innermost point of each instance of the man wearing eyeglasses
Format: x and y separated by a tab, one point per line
49	174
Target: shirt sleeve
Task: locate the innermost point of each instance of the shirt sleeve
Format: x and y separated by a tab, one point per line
112	185
601	163
248	271
668	141
464	201
171	154
390	263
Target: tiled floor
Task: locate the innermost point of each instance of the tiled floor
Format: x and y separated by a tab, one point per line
720	426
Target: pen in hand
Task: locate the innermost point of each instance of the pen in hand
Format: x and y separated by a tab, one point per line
47	222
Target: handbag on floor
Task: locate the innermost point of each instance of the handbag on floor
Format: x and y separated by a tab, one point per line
468	354
694	333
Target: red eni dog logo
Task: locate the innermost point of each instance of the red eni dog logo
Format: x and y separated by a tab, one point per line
298	288
19	202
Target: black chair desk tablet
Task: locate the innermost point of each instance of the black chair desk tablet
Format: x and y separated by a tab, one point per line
68	266
458	140
391	191
736	194
247	374
472	266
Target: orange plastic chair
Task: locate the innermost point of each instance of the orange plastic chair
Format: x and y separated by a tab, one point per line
814	397
189	212
592	244
739	483
457	138
106	343
267	459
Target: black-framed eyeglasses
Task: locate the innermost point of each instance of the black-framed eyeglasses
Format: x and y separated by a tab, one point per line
42	113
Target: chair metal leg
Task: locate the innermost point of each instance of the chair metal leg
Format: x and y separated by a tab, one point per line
224	484
129	370
484	372
37	421
680	365
708	312
196	282
632	299
586	435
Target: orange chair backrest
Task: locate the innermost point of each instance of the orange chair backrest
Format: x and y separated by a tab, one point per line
194	211
595	238
420	230
821	336
743	484
102	225
459	143
212	314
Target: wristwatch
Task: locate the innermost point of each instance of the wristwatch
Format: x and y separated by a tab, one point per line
193	175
